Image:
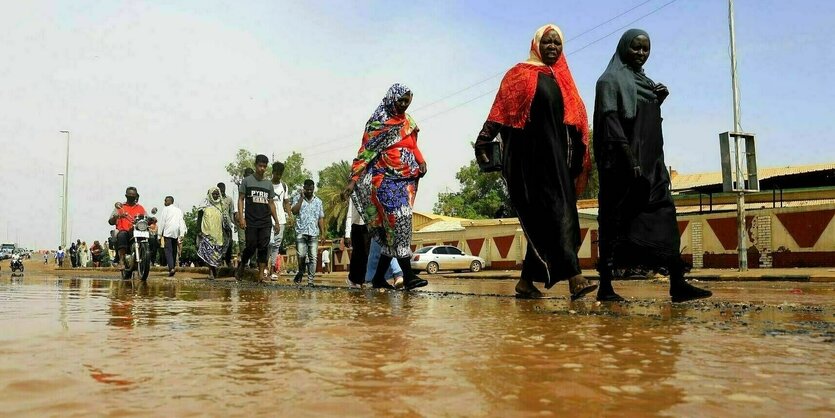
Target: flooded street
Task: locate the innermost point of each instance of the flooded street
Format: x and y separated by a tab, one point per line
80	346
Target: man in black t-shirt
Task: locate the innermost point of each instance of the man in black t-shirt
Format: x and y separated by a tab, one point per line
256	194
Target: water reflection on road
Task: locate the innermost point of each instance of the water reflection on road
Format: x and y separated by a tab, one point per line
93	346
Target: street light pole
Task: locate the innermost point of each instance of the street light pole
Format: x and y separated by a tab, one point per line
61	242
64	212
740	181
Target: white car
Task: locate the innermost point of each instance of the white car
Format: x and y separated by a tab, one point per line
444	257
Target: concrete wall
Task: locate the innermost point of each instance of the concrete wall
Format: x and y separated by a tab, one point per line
776	237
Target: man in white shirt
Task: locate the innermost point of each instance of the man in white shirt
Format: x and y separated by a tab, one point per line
282	207
171	228
326	261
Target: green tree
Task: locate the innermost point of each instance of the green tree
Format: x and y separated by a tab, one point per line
481	195
484	195
243	159
331	183
190	239
593	188
294	172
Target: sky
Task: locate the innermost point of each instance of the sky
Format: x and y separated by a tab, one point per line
161	94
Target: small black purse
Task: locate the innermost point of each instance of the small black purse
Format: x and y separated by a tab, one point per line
493	151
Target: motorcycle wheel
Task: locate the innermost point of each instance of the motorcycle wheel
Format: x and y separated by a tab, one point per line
145	264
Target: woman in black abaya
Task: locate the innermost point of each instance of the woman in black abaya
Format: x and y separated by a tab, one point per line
637	215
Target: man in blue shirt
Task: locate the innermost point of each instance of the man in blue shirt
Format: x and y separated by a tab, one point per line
310	227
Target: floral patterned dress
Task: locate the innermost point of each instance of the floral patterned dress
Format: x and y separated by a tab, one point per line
386	171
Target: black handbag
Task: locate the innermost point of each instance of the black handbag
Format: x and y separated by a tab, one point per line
493	151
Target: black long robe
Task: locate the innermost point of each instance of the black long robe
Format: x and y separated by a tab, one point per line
540	164
637	216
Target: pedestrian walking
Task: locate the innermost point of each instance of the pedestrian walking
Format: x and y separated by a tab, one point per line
84	254
544	134
96	252
393	272
46	258
172	228
73	255
153	237
282	206
213	220
326	261
78	253
255	199
229	209
637	216
358	239
384	180
310	227
59	256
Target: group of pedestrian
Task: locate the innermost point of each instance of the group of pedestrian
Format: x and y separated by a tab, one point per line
264	209
543	132
543	127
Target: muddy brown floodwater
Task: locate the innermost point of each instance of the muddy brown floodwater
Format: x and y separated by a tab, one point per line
96	346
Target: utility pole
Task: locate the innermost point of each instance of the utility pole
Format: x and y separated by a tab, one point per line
740	180
64	212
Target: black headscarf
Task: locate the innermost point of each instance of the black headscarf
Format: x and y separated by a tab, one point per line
620	87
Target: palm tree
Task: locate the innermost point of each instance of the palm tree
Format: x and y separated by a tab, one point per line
332	181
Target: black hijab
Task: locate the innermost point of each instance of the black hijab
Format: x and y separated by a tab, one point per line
620	87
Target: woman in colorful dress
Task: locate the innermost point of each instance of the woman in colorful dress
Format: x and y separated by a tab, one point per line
384	180
213	220
637	215
544	134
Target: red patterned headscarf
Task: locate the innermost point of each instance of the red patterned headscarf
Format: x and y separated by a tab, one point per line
512	106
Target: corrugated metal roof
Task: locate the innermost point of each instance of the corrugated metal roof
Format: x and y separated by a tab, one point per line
443	226
692	181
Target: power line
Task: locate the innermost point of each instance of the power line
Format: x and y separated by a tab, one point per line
502	72
570	53
449	109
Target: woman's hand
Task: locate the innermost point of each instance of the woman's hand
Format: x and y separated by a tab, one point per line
422	169
661	92
349	189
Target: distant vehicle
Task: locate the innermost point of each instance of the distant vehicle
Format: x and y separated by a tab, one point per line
445	257
8	247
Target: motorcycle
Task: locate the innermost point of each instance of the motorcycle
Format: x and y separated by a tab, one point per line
17	264
138	258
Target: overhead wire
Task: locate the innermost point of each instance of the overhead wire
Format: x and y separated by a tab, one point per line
470	100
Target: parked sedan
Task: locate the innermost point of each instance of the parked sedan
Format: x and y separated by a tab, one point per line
444	257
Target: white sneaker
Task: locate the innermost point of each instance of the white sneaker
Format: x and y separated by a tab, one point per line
274	277
398	283
352	285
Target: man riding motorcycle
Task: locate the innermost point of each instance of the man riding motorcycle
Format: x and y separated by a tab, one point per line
122	218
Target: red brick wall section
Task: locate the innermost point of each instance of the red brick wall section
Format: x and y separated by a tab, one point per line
725	230
729	261
475	246
504	265
803	259
682	225
503	244
806	227
588	263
